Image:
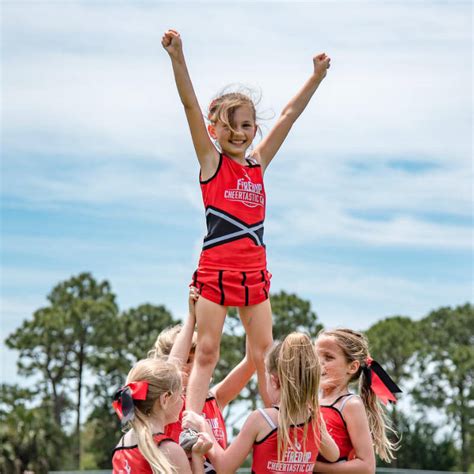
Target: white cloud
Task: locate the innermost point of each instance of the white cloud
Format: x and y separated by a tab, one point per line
354	296
92	120
387	88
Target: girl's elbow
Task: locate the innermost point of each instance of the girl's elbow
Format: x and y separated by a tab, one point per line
331	453
368	467
371	468
288	115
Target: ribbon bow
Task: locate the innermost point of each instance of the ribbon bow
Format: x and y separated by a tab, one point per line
380	382
123	400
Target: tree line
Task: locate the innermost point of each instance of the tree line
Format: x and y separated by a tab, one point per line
77	350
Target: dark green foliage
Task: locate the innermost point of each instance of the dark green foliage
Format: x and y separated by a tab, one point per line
446	365
393	342
29	437
132	336
291	313
420	448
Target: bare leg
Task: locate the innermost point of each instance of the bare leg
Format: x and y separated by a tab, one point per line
257	321
210	320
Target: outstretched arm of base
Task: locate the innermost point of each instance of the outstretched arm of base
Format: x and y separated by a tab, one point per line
180	351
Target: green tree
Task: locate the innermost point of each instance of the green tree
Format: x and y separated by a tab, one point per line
292	313
90	307
420	448
30	439
129	339
45	350
446	363
141	327
393	342
60	341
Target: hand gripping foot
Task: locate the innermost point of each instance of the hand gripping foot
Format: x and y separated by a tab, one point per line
188	438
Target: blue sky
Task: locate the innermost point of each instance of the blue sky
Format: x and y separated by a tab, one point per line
369	200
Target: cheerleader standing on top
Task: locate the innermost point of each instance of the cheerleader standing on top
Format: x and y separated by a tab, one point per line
232	269
356	423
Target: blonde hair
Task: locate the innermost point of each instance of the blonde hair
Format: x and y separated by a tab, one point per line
162	377
296	365
223	107
355	347
165	340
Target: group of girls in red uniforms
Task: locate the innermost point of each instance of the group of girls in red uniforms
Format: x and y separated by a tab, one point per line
311	422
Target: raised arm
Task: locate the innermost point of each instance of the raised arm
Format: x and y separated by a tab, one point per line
206	152
268	147
234	382
180	351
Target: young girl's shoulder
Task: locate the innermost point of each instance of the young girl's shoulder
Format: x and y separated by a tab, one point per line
354	409
264	420
254	158
354	401
175	453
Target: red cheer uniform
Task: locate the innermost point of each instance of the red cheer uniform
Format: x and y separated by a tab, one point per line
297	458
232	266
127	459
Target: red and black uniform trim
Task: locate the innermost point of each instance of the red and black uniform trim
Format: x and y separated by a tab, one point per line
234	200
232	268
232	288
223	228
337	428
128	458
300	457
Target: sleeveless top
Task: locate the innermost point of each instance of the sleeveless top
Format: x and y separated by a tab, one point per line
234	201
297	458
129	459
212	414
337	428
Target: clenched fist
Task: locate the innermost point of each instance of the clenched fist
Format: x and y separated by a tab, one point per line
171	41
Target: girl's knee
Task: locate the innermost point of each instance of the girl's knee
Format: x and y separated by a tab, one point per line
207	353
259	353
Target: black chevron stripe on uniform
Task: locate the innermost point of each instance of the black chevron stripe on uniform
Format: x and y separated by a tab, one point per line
223	228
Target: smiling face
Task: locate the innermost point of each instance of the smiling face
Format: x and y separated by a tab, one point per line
235	142
336	371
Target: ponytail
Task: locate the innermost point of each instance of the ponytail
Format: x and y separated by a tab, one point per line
379	422
295	363
136	402
355	347
157	460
